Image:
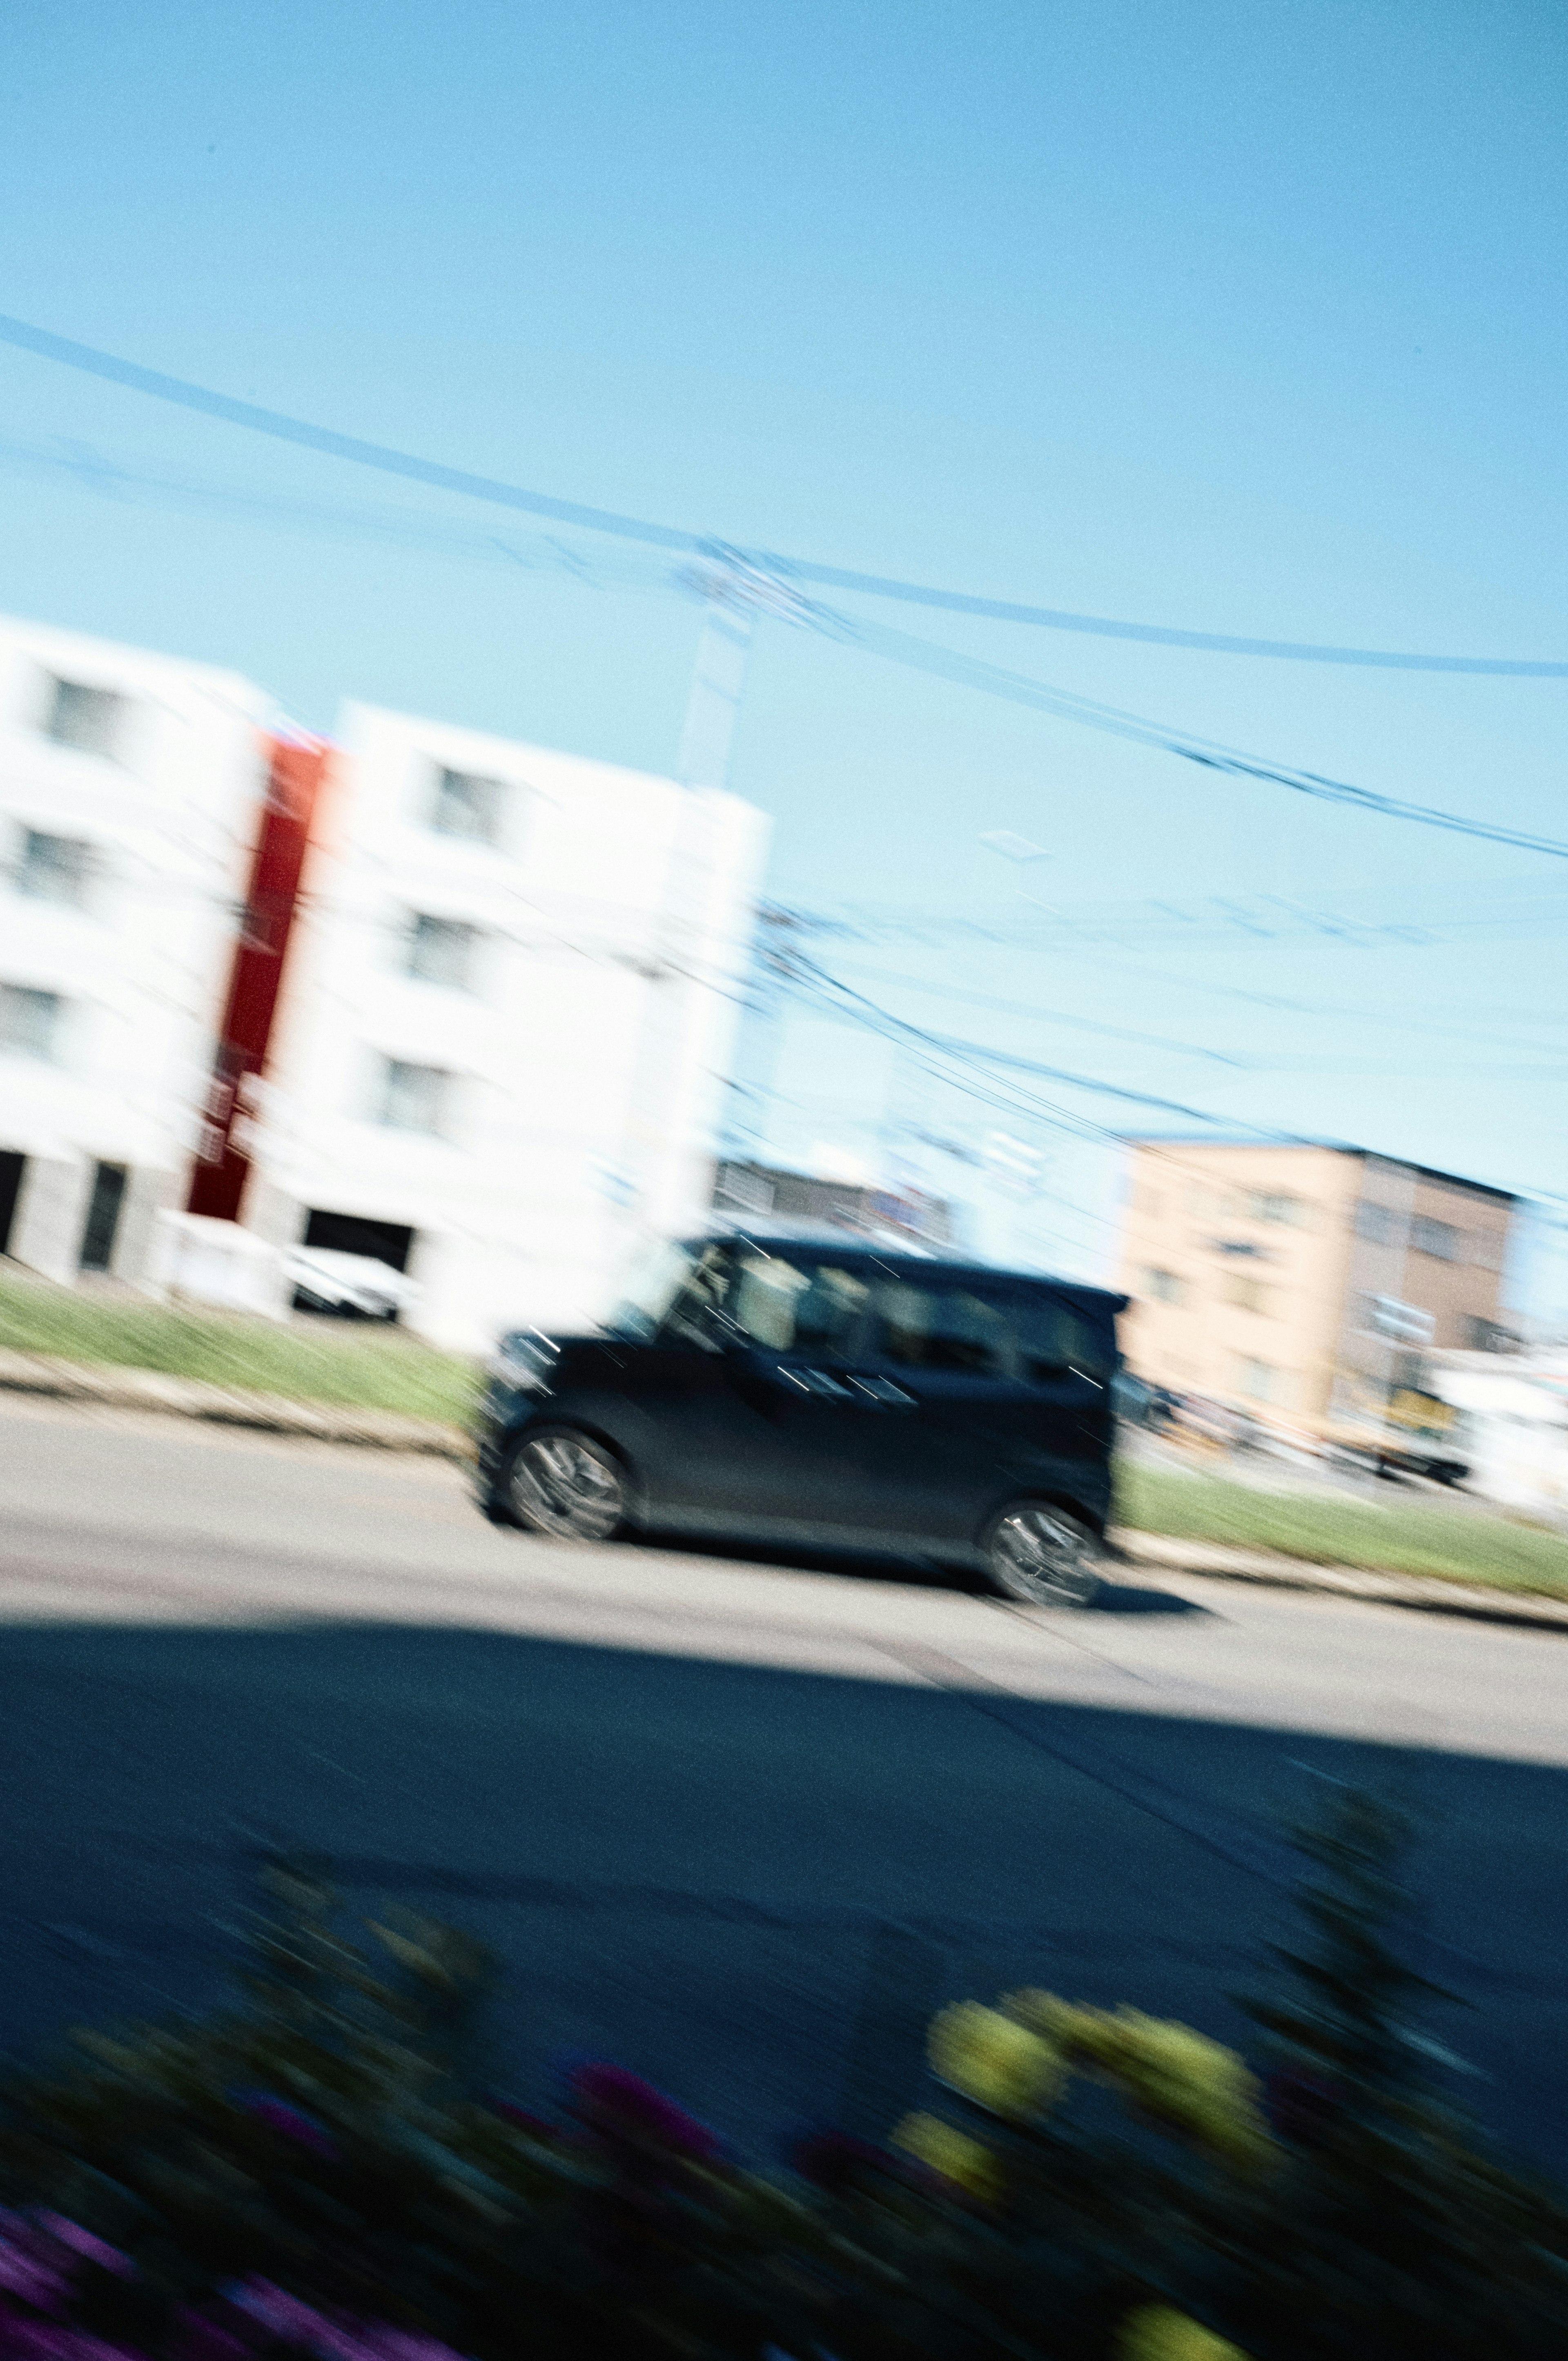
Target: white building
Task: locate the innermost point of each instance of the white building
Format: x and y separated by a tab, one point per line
129	788
506	1022
1512	1426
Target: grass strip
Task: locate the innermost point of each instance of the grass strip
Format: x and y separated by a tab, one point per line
1409	1536
352	1365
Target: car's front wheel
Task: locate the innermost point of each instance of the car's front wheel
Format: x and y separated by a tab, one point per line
1044	1556
568	1485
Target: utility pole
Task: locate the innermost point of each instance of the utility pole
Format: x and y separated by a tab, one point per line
735	590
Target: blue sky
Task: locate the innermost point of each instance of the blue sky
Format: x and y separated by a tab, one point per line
1248	320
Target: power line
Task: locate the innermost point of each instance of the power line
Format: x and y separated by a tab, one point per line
825	984
1241	1062
1018	688
897	647
282	427
972	1059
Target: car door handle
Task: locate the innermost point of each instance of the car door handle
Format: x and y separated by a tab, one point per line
790	1378
854	1392
881	1393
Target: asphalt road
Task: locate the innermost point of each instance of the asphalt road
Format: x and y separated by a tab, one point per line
739	1824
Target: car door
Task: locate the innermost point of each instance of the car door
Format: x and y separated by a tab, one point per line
1001	1408
745	1415
798	1320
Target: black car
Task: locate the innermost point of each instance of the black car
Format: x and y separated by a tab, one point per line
823	1392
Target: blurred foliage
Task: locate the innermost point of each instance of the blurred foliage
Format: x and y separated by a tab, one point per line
316	2172
352	1364
1452	1541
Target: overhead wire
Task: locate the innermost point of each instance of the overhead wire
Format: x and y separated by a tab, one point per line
895	646
89	359
900	647
996	680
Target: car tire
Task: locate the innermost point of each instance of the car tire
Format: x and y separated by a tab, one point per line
566	1485
1043	1556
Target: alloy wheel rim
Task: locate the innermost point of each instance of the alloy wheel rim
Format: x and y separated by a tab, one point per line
562	1487
1047	1558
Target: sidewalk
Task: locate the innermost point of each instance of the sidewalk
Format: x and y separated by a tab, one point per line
147	1389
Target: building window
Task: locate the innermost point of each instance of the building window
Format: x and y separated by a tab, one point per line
1246	1294
87	719
1261	1207
1260	1382
1378	1225
468	806
103	1216
411	1098
1164	1286
1486	1249
441	950
29	1021
1440	1239
53	868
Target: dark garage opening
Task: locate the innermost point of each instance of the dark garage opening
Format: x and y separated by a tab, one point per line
13	1164
386	1242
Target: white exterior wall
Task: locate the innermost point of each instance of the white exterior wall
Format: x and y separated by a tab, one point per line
586	1060
143	965
1513	1428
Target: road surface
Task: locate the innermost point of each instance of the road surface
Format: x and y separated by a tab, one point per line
740	1824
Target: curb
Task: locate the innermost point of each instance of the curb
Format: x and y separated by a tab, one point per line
125	1388
1426	1593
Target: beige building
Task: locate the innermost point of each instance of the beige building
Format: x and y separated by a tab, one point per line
1303	1281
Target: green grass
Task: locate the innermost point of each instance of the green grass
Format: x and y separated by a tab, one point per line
1414	1536
351	1365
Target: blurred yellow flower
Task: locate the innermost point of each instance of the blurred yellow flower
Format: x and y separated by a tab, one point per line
1156	2333
1056	2021
966	2162
995	2061
1180	2078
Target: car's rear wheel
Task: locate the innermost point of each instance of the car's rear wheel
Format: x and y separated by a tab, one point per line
1044	1556
566	1484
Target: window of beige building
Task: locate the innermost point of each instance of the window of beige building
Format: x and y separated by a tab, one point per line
1164	1286
1261	1382
1440	1239
1269	1206
1246	1294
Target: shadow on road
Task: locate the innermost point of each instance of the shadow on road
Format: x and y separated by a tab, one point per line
1128	1598
1118	1597
703	1867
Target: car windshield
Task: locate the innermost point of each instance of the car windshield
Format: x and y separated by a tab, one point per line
652	1286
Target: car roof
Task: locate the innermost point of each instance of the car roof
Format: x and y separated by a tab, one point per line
917	1261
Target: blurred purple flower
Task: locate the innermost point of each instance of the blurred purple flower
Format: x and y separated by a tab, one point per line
289	2122
620	2105
46	2340
200	2339
83	2242
30	2265
285	2317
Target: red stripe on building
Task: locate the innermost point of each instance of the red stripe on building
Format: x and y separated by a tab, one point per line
223	1167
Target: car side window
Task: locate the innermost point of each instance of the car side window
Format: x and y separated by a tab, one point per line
794	1307
946	1328
696	1316
1054	1335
